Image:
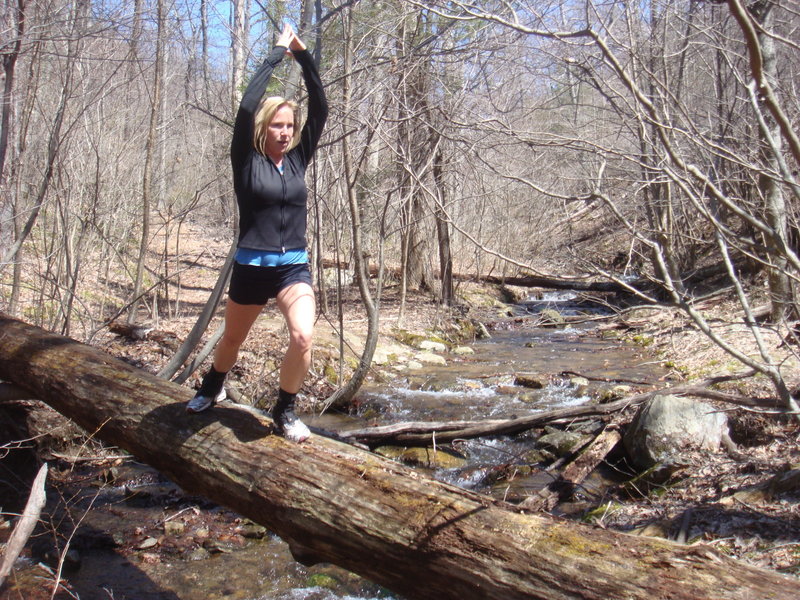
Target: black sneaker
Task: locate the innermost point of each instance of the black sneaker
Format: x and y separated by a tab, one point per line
200	402
290	427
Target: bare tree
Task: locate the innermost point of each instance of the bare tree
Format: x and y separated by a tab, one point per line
659	127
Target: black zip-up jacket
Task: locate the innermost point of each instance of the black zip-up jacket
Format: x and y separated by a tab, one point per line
272	207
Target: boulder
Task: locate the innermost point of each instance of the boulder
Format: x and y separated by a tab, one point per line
668	426
431	359
432	346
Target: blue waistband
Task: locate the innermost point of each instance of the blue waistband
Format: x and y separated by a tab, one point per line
263	258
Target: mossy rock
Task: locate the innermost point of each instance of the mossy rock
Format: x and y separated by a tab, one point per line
551	318
323	580
611	393
561	442
599	513
331	374
424	457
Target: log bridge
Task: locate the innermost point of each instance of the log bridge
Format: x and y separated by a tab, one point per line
333	502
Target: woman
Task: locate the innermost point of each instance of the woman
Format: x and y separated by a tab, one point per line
269	158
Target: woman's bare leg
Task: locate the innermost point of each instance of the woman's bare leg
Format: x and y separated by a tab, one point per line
239	318
298	306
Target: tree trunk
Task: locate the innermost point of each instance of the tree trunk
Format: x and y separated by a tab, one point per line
770	149
443	233
149	160
344	394
336	503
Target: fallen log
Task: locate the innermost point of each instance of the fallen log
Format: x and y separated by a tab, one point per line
336	503
579	284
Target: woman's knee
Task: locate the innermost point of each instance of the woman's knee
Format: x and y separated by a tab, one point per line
302	339
232	341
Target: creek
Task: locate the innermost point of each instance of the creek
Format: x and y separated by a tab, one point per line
139	537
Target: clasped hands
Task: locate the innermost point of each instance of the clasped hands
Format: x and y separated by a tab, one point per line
289	40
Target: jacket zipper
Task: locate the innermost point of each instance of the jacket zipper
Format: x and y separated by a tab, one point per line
283	206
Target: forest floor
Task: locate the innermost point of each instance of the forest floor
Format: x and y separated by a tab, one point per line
747	506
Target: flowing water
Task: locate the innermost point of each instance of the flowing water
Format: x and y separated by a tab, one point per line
251	567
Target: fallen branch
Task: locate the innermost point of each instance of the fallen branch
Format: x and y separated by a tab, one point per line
575	472
26	524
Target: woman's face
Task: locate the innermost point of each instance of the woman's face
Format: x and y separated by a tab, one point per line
280	132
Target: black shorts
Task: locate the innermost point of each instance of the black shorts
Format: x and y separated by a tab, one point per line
256	285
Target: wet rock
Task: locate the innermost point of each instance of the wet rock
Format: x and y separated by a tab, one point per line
529	397
530	380
481	332
224	543
668	426
425	457
560	442
507	390
150	558
174	528
463	350
323	580
253	531
581	384
551	318
148	543
534	457
612	393
199	554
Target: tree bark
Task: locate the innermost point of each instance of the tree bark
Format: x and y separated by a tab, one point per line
336	503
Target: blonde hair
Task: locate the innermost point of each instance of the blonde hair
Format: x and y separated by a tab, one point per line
265	113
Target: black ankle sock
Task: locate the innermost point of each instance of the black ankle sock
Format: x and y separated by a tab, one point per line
212	382
285	402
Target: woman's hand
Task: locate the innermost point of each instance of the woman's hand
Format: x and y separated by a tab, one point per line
296	43
286	37
289	40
